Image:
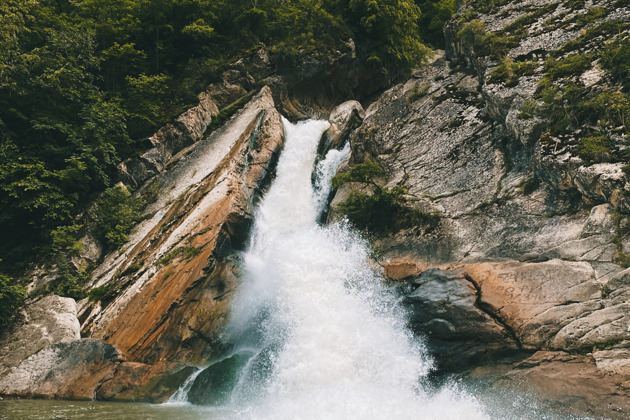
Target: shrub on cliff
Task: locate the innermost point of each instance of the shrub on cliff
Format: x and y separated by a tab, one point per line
11	297
361	172
616	59
474	38
385	210
117	212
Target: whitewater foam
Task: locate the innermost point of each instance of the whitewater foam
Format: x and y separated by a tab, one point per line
332	336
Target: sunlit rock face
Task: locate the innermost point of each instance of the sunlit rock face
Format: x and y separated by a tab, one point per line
169	287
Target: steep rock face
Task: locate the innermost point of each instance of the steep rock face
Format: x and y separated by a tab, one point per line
167	291
530	233
177	298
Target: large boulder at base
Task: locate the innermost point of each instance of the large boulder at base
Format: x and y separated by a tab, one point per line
552	305
72	370
571	382
48	321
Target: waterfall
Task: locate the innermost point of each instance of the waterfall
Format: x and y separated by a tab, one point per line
332	339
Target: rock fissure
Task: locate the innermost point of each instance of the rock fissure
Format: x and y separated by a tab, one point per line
482	306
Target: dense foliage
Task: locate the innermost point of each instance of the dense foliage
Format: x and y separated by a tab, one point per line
83	81
11	297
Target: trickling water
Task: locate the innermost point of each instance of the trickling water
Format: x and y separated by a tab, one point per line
181	396
332	339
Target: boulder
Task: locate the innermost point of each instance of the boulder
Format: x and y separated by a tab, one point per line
570	382
537	299
70	370
444	307
45	322
343	119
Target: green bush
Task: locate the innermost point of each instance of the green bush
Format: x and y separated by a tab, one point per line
64	239
594	149
384	211
97	293
509	72
572	65
616	59
69	281
117	212
530	109
11	297
362	172
475	38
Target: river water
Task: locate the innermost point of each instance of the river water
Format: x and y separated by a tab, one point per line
325	338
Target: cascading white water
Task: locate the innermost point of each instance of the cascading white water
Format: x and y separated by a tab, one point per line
333	339
181	395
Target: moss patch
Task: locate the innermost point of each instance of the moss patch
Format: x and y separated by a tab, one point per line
509	72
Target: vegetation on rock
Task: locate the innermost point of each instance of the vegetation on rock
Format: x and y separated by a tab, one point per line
385	209
11	297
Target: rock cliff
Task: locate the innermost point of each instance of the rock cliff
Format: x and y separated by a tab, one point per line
528	254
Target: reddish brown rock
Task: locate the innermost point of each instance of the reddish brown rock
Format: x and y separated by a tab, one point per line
401	268
537	300
170	285
171	308
571	382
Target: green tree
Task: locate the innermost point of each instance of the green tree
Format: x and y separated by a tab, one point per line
11	297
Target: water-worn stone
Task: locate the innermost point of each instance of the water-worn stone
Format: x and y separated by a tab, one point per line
571	382
48	321
343	119
445	309
71	370
537	300
615	361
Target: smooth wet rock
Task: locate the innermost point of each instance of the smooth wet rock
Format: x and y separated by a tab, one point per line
444	308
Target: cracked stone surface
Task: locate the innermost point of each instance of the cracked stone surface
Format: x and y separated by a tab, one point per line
51	320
